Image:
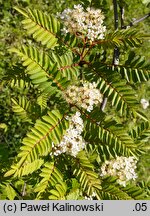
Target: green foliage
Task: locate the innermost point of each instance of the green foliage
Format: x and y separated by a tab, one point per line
52	182
136	69
84	171
123	38
22	107
36	23
43	72
111	191
38	143
119	129
115	138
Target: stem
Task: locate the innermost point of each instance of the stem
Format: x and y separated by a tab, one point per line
17	191
116	24
116	14
122	17
24	190
89	49
138	20
83	48
104	104
116	50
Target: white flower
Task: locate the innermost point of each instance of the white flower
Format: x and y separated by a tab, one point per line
123	183
88	23
145	103
121	167
86	96
72	142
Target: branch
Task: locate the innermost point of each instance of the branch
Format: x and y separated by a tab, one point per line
122	16
116	24
116	14
17	191
104	104
24	190
134	22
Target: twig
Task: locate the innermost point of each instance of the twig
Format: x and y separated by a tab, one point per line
17	191
116	14
116	24
122	16
134	22
104	104
24	190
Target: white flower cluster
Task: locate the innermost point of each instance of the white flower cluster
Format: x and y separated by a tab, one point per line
144	103
88	23
72	142
121	167
85	96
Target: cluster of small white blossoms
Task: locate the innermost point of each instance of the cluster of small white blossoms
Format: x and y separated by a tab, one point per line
88	23
144	103
121	167
85	96
72	142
